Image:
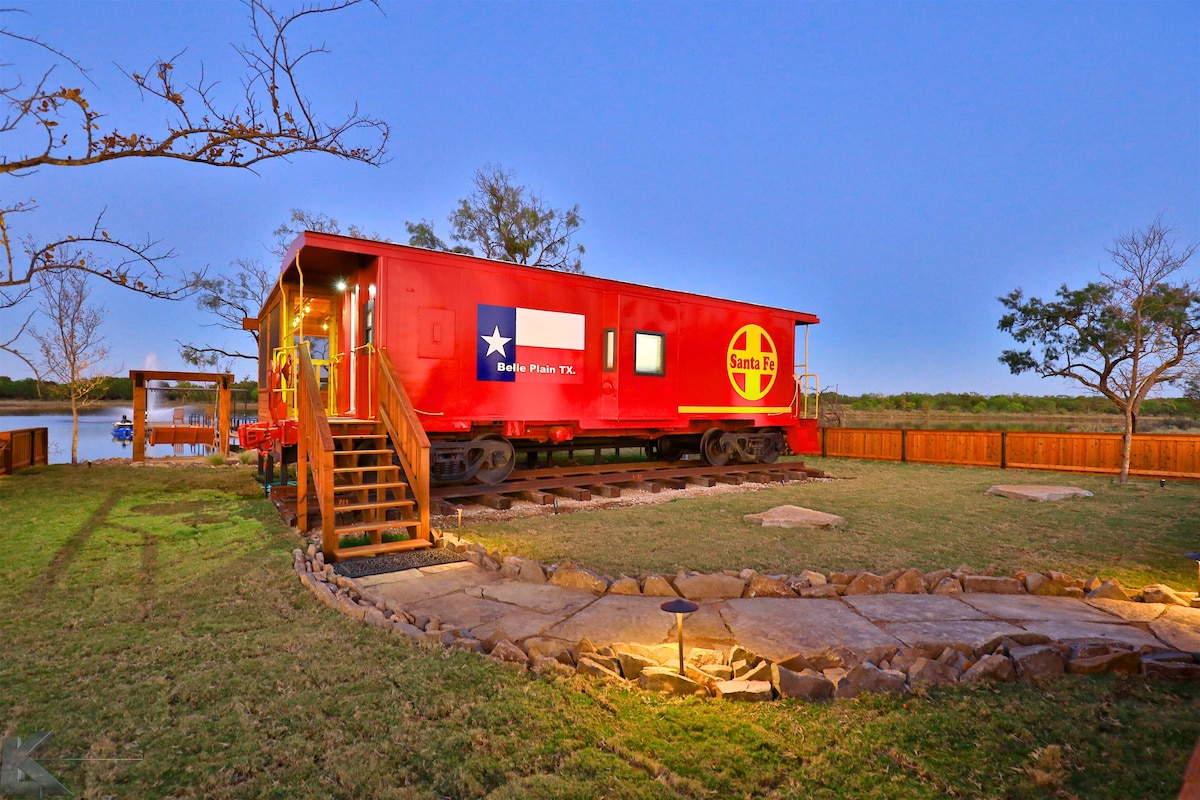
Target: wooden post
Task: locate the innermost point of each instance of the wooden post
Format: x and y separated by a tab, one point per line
1003	449
903	445
224	384
139	416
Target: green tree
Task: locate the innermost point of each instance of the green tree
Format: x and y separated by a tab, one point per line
507	222
1121	336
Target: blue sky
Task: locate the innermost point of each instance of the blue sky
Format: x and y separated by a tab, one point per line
891	167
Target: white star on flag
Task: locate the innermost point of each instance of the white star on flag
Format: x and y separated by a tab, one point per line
496	342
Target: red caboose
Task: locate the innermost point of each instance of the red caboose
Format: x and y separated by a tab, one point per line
486	358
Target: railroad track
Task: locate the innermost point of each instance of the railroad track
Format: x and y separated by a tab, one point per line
543	486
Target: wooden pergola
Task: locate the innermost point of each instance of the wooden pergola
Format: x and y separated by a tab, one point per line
141	379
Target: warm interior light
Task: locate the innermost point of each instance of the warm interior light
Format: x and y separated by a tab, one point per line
340	285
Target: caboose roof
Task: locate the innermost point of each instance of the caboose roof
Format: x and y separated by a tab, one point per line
327	256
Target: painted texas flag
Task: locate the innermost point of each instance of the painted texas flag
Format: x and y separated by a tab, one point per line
528	344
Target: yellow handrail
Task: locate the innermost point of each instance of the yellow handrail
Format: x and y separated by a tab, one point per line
407	436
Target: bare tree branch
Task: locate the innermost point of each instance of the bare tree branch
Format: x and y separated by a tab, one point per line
272	119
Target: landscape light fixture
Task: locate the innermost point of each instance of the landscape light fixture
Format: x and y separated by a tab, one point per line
679	607
1195	557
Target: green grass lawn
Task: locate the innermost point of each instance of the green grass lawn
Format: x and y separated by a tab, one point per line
152	614
898	515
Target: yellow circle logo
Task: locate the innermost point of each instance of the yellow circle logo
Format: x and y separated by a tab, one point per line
753	362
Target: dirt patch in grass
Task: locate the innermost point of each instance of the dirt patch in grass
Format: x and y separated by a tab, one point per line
171	509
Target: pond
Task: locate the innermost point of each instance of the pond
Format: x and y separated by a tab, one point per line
96	440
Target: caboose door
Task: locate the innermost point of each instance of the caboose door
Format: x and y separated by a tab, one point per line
609	374
644	375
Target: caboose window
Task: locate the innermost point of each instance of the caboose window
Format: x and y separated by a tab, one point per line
649	353
610	349
369	322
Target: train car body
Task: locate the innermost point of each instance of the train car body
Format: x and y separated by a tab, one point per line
496	356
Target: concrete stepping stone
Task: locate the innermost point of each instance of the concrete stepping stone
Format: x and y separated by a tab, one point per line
1039	493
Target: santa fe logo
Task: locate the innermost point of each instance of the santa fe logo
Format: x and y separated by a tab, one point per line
752	361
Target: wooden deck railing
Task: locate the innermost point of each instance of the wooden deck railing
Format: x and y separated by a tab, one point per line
408	437
1152	455
23	448
316	446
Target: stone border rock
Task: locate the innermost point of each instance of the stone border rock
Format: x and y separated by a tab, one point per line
744	675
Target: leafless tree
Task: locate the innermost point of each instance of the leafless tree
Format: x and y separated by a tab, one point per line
70	349
52	125
234	297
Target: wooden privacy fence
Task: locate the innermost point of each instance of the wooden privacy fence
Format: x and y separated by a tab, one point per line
1152	455
28	447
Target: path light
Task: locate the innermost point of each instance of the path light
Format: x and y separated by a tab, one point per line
679	607
1195	557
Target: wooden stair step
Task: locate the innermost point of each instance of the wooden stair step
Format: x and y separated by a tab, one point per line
366	487
379	549
381	504
363	468
367	527
384	452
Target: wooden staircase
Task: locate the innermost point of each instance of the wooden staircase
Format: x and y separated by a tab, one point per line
369	493
349	465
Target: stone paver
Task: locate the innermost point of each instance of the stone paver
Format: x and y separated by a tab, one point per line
1027	607
1130	612
460	609
913	607
777	627
519	624
428	582
1179	627
484	602
618	618
970	632
542	597
1072	631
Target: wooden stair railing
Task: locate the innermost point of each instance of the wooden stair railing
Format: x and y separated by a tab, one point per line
407	437
315	444
357	485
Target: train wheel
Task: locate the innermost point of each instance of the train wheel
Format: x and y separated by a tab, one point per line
712	450
498	461
770	453
669	449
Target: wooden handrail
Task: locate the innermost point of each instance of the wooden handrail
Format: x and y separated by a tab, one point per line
316	437
407	436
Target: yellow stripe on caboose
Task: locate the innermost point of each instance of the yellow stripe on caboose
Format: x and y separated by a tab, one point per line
734	409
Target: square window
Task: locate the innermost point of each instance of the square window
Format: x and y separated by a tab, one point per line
649	353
